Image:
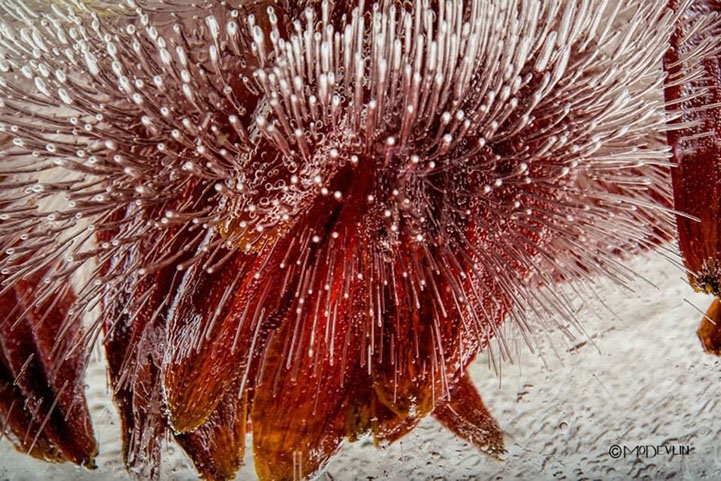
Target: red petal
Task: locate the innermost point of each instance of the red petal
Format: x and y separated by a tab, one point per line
469	419
219	321
134	328
406	369
428	338
697	153
136	324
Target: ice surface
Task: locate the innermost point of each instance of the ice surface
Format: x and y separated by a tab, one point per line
642	380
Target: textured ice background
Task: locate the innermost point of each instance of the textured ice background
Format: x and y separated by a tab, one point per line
638	378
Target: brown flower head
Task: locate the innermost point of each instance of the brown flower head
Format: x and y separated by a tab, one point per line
304	220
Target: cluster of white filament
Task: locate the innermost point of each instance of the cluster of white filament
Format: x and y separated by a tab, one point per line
550	103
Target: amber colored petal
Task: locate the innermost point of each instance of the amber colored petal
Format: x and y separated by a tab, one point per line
311	366
709	332
215	320
298	415
466	416
217	447
366	414
41	345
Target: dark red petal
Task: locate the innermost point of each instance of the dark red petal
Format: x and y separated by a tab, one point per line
468	418
134	328
133	341
429	337
42	344
696	149
406	369
697	177
220	320
217	447
18	424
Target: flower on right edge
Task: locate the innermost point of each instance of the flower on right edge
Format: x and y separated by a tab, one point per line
693	102
304	221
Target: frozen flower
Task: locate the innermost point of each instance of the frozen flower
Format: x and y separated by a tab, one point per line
304	221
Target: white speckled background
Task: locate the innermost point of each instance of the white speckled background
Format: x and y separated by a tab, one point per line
642	380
